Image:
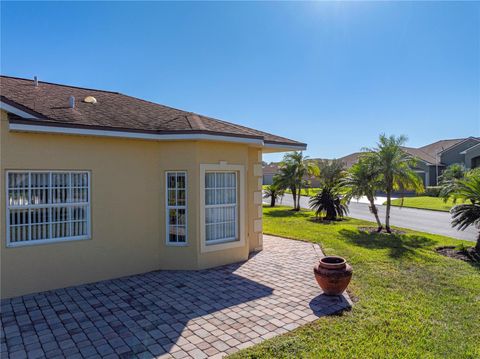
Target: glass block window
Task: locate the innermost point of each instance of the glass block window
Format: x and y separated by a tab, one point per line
47	206
176	207
221	213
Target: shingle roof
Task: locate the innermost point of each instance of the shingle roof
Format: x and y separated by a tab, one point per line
433	149
428	153
420	154
115	111
351	159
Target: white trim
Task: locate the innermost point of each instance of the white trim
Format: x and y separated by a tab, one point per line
8	207
12	109
285	147
459	143
240	169
469	149
136	135
167	207
21	127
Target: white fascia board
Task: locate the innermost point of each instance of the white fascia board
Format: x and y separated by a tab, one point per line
459	143
469	149
20	127
9	108
274	147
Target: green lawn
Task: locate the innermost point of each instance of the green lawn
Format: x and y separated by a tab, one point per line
307	192
424	202
310	192
412	302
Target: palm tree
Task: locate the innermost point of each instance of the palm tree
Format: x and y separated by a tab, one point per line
286	179
294	169
467	214
330	202
329	199
448	179
331	172
273	192
394	166
363	180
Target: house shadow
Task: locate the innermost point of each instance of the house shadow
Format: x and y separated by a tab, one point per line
148	315
399	245
145	311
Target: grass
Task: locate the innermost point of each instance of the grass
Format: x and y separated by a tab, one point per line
412	302
310	192
424	202
307	192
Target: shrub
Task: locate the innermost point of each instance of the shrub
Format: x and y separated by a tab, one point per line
433	191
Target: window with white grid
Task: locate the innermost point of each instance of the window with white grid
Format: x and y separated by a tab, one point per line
176	208
47	206
221	217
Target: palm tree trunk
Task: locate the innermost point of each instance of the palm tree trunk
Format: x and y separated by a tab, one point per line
387	218
294	195
374	210
299	197
272	200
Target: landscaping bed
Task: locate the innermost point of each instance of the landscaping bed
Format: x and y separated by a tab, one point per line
412	301
467	254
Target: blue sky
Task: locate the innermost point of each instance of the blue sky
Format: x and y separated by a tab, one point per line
333	75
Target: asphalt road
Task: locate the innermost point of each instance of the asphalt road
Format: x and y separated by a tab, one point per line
417	219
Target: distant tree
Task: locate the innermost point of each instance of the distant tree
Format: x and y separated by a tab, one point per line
274	192
294	170
448	179
454	171
395	169
362	179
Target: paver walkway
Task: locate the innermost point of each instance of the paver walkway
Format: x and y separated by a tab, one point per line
177	314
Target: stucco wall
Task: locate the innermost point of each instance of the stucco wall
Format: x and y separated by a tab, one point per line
470	155
454	155
127	208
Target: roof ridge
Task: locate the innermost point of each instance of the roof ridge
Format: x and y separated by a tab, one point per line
448	139
57	84
121	110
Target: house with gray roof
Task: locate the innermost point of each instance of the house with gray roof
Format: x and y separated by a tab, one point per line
435	157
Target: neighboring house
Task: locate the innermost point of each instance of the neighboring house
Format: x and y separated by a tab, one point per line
100	185
268	172
435	157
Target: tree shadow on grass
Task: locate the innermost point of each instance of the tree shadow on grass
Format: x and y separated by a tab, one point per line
398	245
319	220
280	213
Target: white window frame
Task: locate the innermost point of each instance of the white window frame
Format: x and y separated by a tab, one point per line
240	227
29	242
168	207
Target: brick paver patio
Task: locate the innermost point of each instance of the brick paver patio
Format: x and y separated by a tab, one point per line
172	314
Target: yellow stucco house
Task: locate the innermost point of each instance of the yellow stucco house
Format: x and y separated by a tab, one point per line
97	185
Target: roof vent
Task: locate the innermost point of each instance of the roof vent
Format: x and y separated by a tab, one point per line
35	81
71	102
90	99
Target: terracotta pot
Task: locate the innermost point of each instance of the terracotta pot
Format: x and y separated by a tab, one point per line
333	274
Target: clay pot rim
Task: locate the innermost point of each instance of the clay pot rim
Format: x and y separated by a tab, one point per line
332	262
